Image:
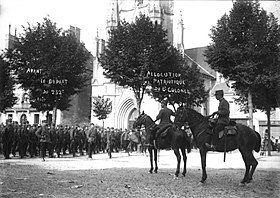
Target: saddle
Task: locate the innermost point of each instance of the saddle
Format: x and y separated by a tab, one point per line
163	131
229	129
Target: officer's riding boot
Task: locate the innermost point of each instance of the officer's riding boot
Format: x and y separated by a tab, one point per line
212	146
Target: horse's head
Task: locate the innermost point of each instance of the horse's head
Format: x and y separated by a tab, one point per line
140	120
185	114
181	116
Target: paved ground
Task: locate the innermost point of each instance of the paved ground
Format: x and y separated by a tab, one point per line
166	160
127	176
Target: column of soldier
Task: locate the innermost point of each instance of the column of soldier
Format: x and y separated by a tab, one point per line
25	140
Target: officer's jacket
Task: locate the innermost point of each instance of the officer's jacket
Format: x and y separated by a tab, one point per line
43	134
223	112
164	116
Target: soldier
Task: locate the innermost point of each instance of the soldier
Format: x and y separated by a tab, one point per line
91	138
59	140
164	116
32	141
66	140
43	134
2	126
73	140
16	138
80	140
22	140
8	138
222	120
53	140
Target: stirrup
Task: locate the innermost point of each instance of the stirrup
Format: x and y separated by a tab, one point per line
210	147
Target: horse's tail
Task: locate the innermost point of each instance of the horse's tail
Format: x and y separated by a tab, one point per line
258	145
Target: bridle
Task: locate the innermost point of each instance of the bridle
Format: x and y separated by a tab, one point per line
142	119
191	124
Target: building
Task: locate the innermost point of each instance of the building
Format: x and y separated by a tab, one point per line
79	112
123	101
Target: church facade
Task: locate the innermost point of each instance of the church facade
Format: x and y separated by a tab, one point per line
124	106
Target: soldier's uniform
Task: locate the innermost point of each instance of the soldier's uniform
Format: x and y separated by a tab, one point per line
32	141
16	138
222	120
8	138
59	141
23	140
66	140
43	134
91	138
53	140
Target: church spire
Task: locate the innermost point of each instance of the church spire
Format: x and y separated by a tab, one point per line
180	33
113	16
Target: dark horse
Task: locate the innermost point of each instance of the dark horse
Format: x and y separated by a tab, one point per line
170	138
246	140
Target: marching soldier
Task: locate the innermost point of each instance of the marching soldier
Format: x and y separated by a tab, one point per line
53	140
91	138
22	140
16	138
43	134
32	141
66	140
8	137
59	140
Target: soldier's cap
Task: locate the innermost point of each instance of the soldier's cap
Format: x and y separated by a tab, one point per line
44	121
219	92
91	123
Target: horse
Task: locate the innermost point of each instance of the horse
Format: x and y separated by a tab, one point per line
170	138
246	140
129	139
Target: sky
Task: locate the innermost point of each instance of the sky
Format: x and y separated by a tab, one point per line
90	15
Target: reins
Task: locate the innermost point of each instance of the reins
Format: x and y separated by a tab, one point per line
195	123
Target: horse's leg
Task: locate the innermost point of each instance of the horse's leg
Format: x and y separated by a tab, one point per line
203	153
178	156
183	150
155	159
246	159
151	159
254	164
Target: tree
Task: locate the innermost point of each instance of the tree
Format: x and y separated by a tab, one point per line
7	86
133	50
102	108
245	50
51	64
184	84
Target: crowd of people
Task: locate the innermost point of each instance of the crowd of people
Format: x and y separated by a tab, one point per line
25	140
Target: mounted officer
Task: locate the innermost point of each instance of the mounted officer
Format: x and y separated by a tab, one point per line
164	116
222	120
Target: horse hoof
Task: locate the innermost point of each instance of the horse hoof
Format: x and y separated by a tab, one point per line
201	183
155	171
241	184
184	174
